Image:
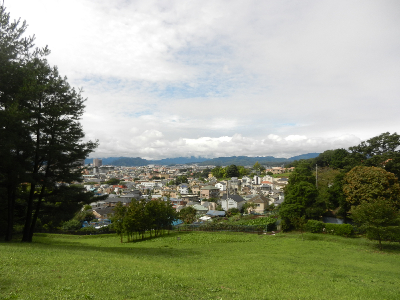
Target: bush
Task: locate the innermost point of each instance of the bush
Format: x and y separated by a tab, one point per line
72	225
339	229
315	226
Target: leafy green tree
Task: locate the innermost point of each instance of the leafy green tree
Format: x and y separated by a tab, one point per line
380	151
258	168
300	198
246	206
376	216
371	183
205	173
85	215
113	181
65	203
374	196
337	199
232	171
326	178
72	225
187	214
243	171
232	212
335	159
218	172
181	179
118	219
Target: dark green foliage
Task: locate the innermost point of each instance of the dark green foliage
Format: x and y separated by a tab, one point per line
113	181
86	215
72	225
346	230
218	172
205	173
40	131
375	216
379	151
335	159
232	171
300	198
187	214
232	211
314	226
258	167
371	183
389	234
141	216
181	179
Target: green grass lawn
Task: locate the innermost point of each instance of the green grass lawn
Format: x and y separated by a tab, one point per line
199	266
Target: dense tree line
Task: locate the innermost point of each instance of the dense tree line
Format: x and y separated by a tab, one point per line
155	217
40	134
360	183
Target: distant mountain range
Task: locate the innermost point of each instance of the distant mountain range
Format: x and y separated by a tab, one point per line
220	161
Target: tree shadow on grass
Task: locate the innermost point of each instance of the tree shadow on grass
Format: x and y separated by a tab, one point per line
171	248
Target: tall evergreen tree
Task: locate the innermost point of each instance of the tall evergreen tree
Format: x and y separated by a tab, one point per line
40	133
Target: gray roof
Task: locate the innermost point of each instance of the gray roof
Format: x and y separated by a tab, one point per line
236	198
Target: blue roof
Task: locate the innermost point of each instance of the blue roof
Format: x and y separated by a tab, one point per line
177	222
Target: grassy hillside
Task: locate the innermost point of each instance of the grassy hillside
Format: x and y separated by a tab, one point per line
199	266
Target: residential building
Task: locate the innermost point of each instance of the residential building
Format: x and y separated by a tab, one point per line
232	201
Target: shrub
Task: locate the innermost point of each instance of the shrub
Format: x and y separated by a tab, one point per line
339	229
72	225
314	226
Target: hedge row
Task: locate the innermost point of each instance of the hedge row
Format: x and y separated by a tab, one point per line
336	229
228	227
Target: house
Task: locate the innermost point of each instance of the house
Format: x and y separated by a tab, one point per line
196	189
183	188
221	186
246	180
232	201
268	178
209	191
200	209
261	203
256	180
103	213
190	197
209	205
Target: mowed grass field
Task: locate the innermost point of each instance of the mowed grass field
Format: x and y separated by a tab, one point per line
199	266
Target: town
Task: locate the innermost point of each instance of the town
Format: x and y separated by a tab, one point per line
178	184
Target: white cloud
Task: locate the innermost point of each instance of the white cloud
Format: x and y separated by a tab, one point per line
222	78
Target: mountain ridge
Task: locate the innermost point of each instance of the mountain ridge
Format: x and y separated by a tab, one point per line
219	161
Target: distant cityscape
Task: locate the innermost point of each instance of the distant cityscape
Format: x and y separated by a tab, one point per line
184	185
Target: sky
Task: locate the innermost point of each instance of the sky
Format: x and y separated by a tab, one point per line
216	78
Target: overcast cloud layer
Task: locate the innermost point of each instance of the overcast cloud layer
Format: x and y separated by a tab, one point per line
223	78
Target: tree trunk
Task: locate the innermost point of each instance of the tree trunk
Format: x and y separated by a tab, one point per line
10	214
35	215
29	211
